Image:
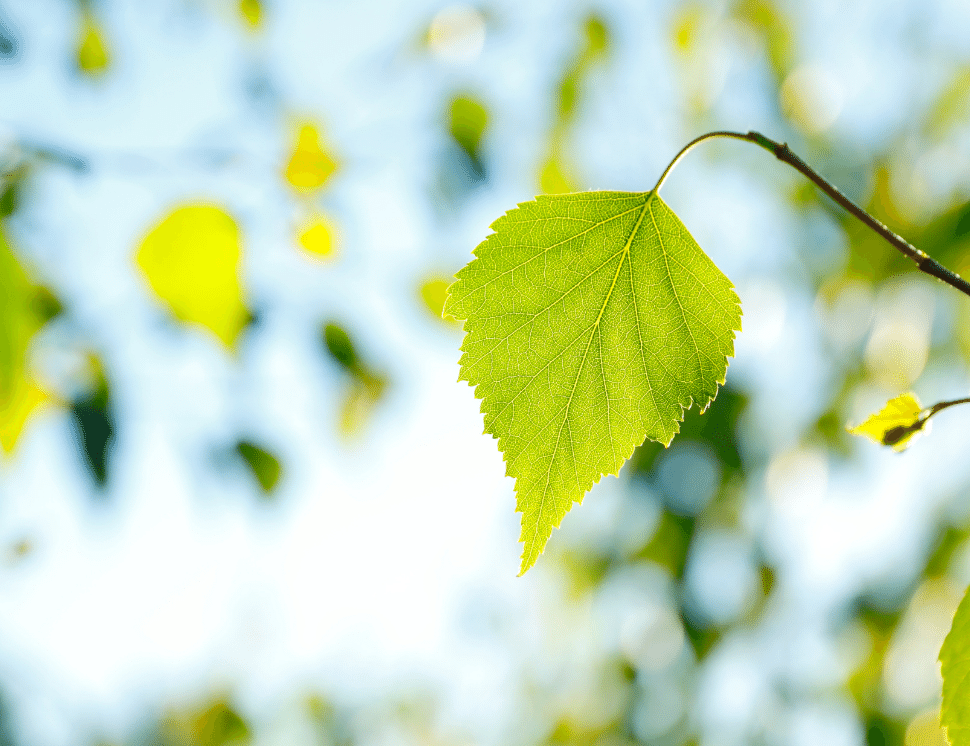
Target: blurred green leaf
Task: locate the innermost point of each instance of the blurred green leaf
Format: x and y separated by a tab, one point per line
191	260
577	310
366	386
263	464
11	187
773	26
20	318
341	349
555	174
433	291
555	178
93	57
670	541
952	105
94	426
467	121
596	45
217	724
955	667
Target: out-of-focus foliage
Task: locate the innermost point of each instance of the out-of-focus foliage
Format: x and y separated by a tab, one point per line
318	238
24	308
94	424
265	467
896	424
93	56
252	12
433	291
310	166
191	261
577	309
9	44
467	121
366	386
955	663
556	176
215	724
769	21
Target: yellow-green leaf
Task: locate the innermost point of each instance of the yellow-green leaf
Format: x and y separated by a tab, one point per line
955	667
191	260
592	321
896	424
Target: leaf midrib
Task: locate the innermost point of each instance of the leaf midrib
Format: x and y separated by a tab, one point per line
582	363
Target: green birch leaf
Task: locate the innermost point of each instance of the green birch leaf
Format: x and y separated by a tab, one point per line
592	322
955	667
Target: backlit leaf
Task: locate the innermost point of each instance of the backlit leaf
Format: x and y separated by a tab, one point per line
955	667
593	321
191	260
895	424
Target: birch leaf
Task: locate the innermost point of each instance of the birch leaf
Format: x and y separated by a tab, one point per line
592	321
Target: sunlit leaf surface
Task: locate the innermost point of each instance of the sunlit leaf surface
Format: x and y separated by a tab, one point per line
895	424
191	260
592	321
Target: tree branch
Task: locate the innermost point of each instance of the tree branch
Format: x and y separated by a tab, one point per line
782	152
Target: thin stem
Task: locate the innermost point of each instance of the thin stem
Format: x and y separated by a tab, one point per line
943	405
783	153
